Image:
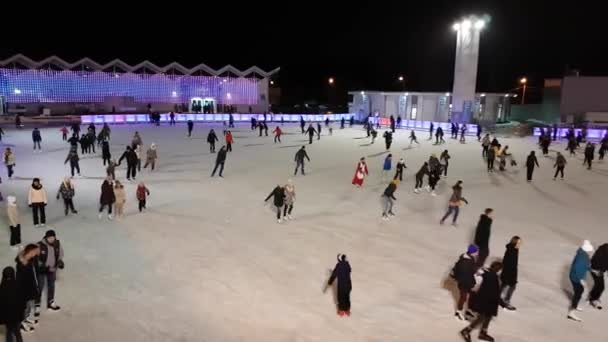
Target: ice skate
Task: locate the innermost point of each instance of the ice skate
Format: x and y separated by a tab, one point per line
100	216
26	328
465	334
110	217
53	306
385	217
433	193
572	315
289	217
37	311
42	224
596	304
417	191
509	307
390	213
347	313
278	220
340	313
483	336
459	315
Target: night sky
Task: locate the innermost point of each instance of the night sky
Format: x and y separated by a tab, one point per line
363	46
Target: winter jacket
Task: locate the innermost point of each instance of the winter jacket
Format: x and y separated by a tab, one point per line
137	141
424	170
390	191
487	298
388	164
142	192
589	152
433	163
130	156
229	139
279	196
300	155
277	131
105	150
211	137
12	305
560	161
13	214
342	273
400	166
120	195
485	141
464	272
66	191
51	256
580	266
107	194
74	141
27	279
388	136
221	156
151	154
510	263
482	233
531	161
72	158
37	195
599	261
456	198
311	131
491	155
36	135
445	157
9	158
290	194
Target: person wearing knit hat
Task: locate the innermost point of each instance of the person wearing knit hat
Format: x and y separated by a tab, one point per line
464	274
14	221
578	272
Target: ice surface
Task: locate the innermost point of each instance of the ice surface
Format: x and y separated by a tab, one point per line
208	262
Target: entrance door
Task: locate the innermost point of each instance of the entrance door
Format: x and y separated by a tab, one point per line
202	105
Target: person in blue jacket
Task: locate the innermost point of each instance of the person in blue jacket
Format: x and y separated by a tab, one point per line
386	168
578	272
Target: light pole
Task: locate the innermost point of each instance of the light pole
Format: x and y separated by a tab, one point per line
524	82
401	80
330	81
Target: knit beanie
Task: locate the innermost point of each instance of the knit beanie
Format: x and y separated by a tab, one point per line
472	249
587	246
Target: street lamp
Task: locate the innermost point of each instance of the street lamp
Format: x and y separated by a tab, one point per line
271	82
330	81
401	80
524	82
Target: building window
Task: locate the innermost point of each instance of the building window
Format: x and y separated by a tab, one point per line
413	114
450	112
499	116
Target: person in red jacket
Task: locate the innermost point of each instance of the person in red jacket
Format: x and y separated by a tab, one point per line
360	173
142	193
229	141
64	133
277	134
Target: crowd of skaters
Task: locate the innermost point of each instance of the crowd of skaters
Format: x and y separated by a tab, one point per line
481	287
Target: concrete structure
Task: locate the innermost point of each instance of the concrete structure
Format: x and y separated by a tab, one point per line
584	98
425	106
465	68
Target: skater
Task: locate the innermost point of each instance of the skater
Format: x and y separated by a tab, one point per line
454	130
9	161
508	276
439	136
74	140
464	275
599	266
302	124
434	164
351	122
387	198
290	198
603	147
398	121
37	138
37	201
342	273
311	133
229	141
589	155
531	161
278	195
318	131
490	156
502	158
66	192
230	121
482	236
73	159
463	129
151	156
107	198
454	204
50	259
571	146
14	222
105	132
544	144
265	127
27	284
64	133
75	127
478	132
12	305
486	304
378	121
190	124
105	152
444	160
277	134
434	176
431	128
578	273
171	119
560	164
139	153
212	138
219	161
424	170
374	135
360	173
387	165
342	123
327	122
392	123
84	144
399	170
136	141
485	145
132	160
413	138
120	197
253	123
299	159
142	194
388	139
110	170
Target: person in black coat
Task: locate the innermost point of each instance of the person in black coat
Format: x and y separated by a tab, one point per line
599	266
392	119
278	195
388	139
464	274
74	141
399	169
311	133
219	161
486	304
302	124
351	122
12	306
107	197
36	138
27	283
342	121
482	236
431	129
132	161
589	155
190	124
212	138
105	152
508	276
424	170
531	161
439	136
299	159
342	273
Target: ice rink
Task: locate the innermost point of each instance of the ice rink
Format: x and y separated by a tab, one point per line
208	262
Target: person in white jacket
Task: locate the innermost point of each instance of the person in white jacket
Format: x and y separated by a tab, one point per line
37	201
14	221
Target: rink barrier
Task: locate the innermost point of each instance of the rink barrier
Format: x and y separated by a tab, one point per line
561	132
183	117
